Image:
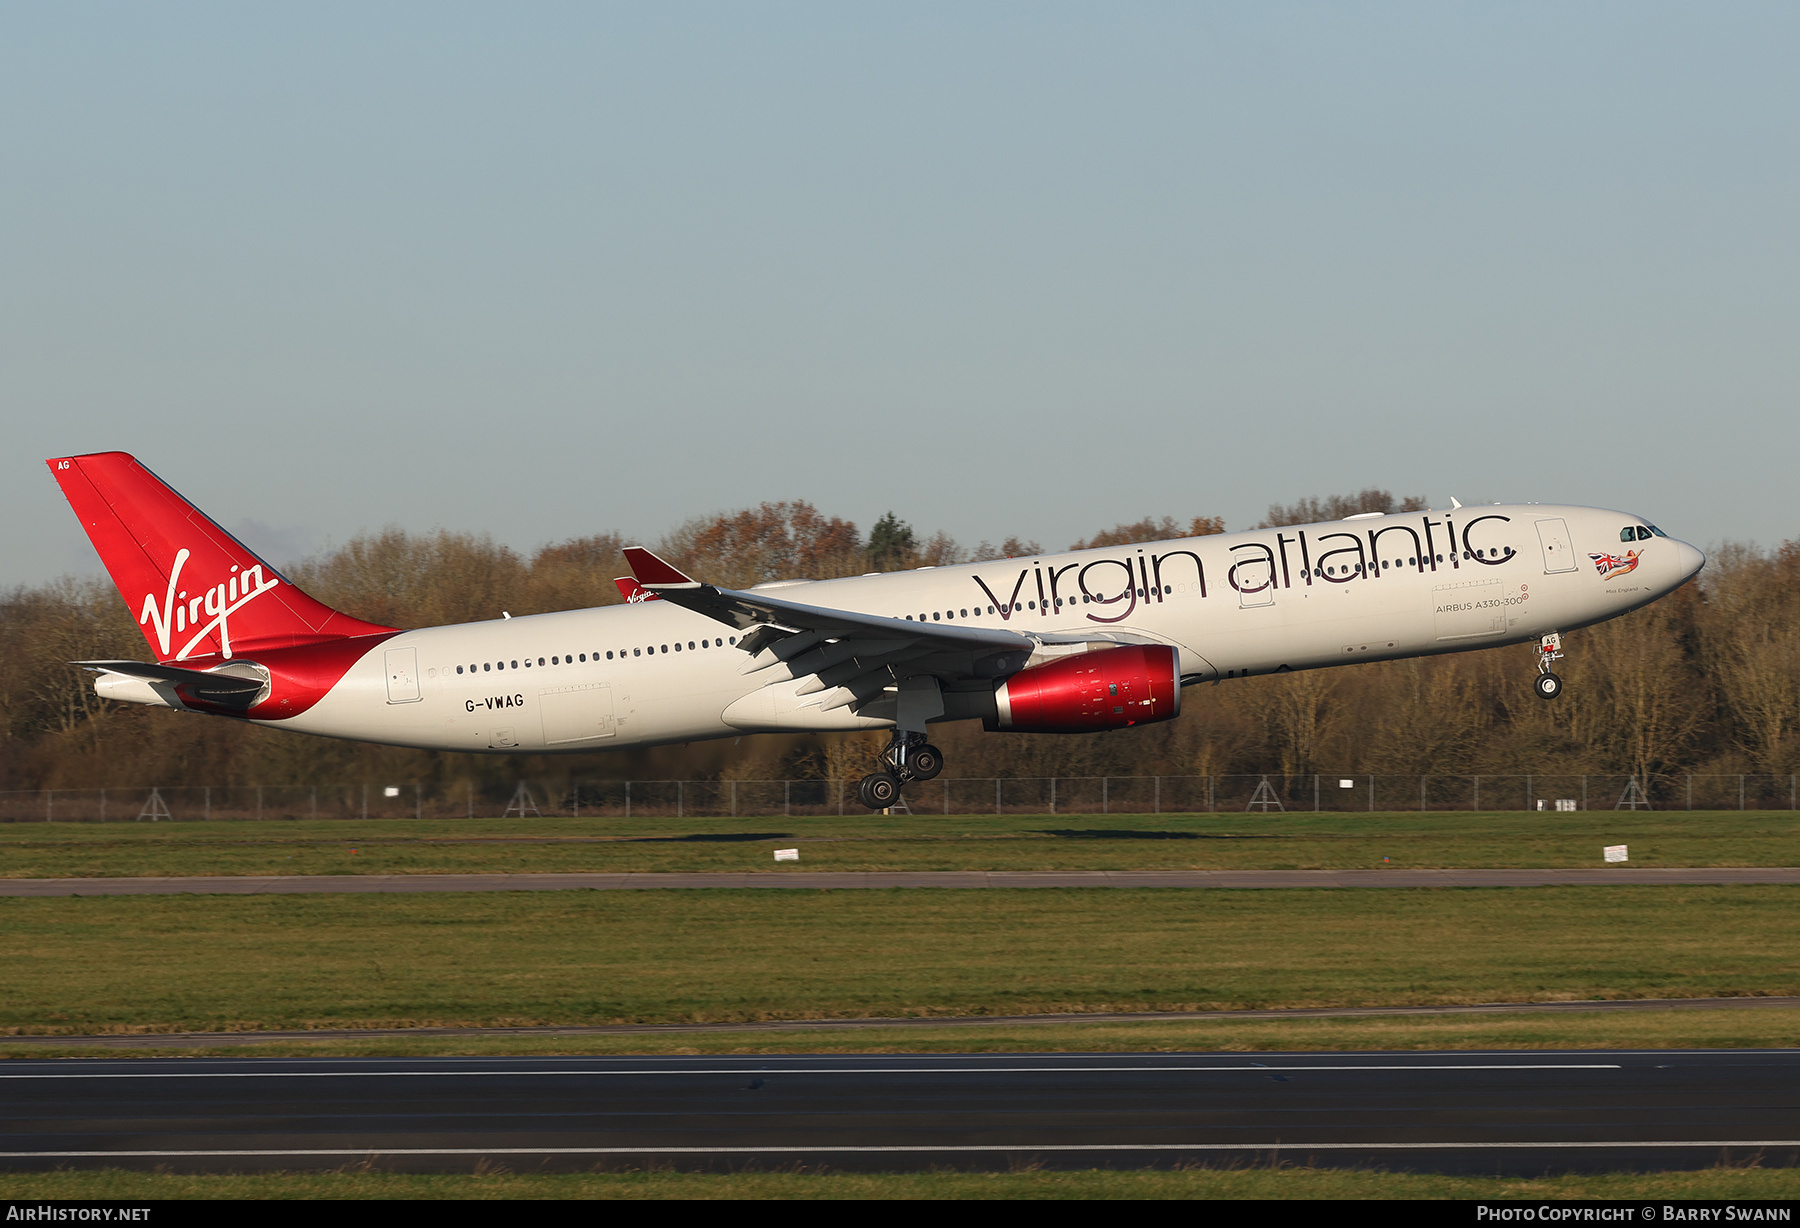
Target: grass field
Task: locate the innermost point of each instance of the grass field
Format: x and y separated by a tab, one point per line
924	842
521	958
1657	1029
1219	1183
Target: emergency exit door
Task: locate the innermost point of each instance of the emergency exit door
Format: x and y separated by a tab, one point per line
1553	536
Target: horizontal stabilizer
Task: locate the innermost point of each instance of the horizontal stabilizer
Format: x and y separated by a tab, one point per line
201	683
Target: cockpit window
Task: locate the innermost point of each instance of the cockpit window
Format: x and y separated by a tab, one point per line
1643	534
1628	534
1657	531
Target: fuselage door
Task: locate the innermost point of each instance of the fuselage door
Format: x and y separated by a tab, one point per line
1553	536
1253	575
403	675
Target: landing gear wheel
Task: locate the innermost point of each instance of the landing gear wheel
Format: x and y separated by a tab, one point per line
878	790
924	762
1548	685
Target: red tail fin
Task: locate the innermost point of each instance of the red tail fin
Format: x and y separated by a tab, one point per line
196	590
633	592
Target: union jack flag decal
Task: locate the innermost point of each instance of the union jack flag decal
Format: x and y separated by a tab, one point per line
1610	565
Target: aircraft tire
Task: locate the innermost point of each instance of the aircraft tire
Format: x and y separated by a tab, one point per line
1548	686
924	762
878	790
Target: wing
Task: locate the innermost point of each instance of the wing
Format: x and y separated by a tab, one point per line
854	655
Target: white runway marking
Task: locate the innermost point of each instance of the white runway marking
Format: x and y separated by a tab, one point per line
796	1070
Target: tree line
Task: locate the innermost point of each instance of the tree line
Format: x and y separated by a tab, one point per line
1706	680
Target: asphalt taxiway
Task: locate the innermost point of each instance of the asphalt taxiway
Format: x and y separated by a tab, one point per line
1503	1112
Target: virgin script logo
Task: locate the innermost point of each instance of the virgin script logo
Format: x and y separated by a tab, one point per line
180	612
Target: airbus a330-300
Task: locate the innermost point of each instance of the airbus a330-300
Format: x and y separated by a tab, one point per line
1076	642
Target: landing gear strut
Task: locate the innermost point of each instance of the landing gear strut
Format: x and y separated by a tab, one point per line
1547	684
909	757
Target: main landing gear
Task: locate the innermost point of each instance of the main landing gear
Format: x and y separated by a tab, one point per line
1547	684
907	758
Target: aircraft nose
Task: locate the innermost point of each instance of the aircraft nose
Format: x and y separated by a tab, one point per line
1688	560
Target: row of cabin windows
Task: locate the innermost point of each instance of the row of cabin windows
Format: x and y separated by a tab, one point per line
1497	552
572	658
940	615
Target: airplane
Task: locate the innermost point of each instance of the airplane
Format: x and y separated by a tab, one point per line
1072	642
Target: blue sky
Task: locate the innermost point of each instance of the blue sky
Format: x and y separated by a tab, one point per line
547	270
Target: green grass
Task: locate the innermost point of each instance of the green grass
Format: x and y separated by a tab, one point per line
878	842
525	958
1658	1029
1216	1183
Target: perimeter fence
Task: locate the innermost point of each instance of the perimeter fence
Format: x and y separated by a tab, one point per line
1255	793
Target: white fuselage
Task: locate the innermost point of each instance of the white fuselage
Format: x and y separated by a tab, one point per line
1232	605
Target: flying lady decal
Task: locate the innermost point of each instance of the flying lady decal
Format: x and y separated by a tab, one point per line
1610	565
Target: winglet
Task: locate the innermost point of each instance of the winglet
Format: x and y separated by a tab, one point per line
652	572
633	592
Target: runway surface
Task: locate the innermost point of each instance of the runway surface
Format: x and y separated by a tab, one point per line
1472	1112
809	880
209	1040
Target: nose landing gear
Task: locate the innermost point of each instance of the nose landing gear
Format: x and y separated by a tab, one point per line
1547	684
908	758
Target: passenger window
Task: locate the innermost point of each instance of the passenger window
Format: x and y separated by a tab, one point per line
540	661
964	613
665	648
677	646
637	652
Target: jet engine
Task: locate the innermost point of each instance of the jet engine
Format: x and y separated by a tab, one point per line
1133	684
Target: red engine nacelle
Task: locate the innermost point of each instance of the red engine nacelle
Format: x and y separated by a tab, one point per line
1133	684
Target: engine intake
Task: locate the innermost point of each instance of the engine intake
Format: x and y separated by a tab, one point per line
1133	684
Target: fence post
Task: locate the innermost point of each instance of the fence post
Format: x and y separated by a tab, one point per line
206	804
1528	791
365	813
1584	792
679	799
1105	799
946	795
1315	793
1421	795
628	799
1740	790
103	804
469	791
1157	795
315	802
575	796
258	802
418	800
1477	805
1371	793
49	803
840	785
996	795
1053	795
787	798
734	799
1690	790
1211	798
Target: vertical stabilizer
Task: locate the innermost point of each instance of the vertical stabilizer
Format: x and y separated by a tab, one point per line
195	590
